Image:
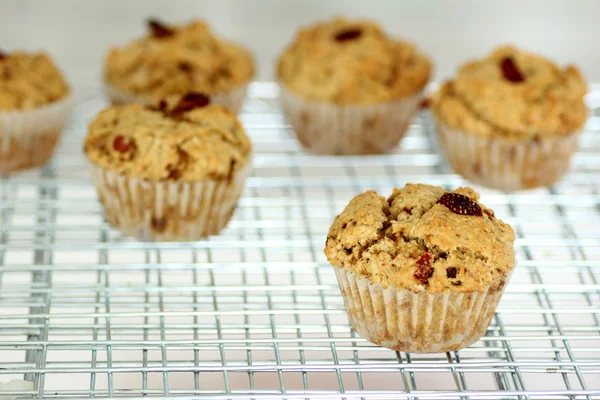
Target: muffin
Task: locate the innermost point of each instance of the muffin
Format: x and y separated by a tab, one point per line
512	120
349	88
176	60
422	271
170	172
35	103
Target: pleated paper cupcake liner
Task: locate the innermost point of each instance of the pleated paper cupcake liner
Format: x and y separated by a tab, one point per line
326	128
28	137
403	320
168	210
233	99
507	165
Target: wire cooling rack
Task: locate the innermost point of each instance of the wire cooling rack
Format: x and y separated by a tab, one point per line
255	312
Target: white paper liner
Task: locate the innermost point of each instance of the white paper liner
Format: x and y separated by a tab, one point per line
403	320
168	210
507	165
355	129
234	99
28	137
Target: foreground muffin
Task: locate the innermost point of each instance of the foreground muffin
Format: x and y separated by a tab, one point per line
422	271
512	120
177	59
172	172
35	104
348	88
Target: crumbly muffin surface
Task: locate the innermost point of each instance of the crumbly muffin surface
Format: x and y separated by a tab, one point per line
176	60
514	94
422	238
352	62
29	80
176	140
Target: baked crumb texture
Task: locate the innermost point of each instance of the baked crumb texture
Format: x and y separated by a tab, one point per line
169	172
515	95
418	240
422	271
169	141
351	62
176	59
29	81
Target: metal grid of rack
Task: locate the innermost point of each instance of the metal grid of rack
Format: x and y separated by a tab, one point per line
255	313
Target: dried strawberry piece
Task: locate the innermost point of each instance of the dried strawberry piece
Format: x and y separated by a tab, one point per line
511	71
347	35
191	101
460	204
451	272
159	30
424	269
407	210
123	144
425	103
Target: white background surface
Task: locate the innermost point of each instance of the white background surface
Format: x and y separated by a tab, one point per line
78	33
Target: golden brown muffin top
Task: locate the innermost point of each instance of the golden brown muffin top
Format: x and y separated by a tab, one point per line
29	80
352	62
176	60
182	138
514	94
422	238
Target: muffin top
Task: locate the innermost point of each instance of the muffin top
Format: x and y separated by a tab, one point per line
352	62
422	238
182	138
513	94
29	80
176	60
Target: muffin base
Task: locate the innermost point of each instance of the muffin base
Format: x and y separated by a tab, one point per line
326	128
168	210
422	322
234	99
28	138
507	165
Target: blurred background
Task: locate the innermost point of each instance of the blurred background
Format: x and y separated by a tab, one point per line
78	33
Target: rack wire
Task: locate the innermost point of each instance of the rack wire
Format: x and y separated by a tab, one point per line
255	312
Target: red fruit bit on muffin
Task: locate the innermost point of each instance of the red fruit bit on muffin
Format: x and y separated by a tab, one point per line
191	101
124	145
348	35
159	30
424	269
425	103
460	204
510	70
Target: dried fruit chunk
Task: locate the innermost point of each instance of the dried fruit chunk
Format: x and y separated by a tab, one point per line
425	103
191	101
424	269
460	204
125	146
511	71
159	30
347	35
451	272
